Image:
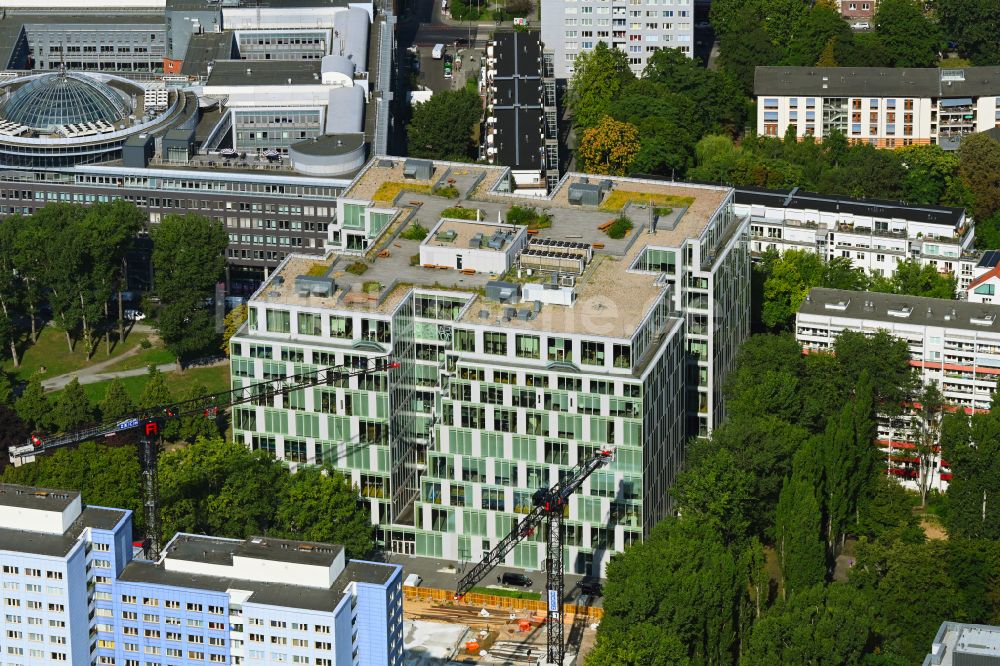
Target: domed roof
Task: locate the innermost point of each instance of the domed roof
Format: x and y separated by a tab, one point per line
57	99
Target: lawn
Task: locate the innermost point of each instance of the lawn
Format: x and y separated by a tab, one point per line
387	192
513	594
51	353
619	198
215	378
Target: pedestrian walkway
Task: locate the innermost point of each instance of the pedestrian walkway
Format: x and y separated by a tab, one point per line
93	374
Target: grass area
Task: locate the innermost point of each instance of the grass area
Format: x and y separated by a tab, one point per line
448	191
357	268
51	353
318	269
619	228
618	199
954	63
415	232
388	192
528	217
371	286
512	594
215	378
153	355
460	213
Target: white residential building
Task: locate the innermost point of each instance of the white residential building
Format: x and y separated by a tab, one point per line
874	235
953	344
887	107
637	28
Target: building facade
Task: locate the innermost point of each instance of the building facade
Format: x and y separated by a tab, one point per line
638	29
885	107
874	235
954	345
74	594
520	355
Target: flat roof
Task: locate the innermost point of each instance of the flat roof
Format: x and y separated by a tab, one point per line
605	290
293	4
330	144
922	311
877	81
465	231
31	497
221	551
801	200
59	545
264	73
517	53
207	48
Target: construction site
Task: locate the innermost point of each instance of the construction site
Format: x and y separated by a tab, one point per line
497	630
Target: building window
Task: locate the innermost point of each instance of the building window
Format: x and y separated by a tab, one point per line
560	349
341	327
592	353
309	324
495	343
527	346
279	321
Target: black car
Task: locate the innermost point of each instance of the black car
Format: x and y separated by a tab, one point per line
516	579
461	42
591	587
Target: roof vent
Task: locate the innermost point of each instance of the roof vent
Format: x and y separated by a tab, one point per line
249	71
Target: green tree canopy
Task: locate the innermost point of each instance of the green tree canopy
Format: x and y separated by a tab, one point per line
599	77
116	403
321	505
73	409
188	261
441	128
33	406
979	167
909	38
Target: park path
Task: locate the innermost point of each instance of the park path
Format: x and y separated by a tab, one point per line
94	373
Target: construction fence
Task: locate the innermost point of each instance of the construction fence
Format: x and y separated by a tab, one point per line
591	613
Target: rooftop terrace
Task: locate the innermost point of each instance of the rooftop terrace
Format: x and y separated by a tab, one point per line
609	300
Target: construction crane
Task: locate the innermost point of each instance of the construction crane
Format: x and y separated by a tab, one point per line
548	507
149	423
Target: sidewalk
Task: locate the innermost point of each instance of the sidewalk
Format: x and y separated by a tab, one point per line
93	374
436	573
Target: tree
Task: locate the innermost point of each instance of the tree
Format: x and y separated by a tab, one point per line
930	172
234	320
979	167
609	147
190	428
13	431
975	27
321	505
717	493
155	393
442	127
220	488
910	590
789	279
818	28
820	625
741	51
880	355
599	77
642	644
915	279
105	475
8	338
931	408
798	528
685	582
33	406
910	39
971	445
72	409
116	403
188	261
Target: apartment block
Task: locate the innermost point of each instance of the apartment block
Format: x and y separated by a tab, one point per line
875	235
56	558
953	344
73	594
886	107
637	28
521	352
257	601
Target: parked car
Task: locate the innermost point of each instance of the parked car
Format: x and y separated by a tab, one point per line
413	580
135	315
461	42
861	25
516	579
590	587
438	51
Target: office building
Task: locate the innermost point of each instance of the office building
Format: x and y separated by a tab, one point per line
73	594
521	127
953	344
875	235
886	107
963	644
521	353
638	29
262	144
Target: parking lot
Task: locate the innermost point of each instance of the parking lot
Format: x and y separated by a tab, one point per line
465	63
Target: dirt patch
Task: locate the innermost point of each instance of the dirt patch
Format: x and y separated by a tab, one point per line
933	528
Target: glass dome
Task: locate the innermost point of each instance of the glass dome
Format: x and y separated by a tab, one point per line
51	100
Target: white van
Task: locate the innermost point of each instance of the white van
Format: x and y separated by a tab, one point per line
861	25
413	580
438	51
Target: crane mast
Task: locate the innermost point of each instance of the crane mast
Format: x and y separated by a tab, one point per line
549	506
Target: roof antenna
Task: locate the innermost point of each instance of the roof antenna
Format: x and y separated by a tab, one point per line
62	61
